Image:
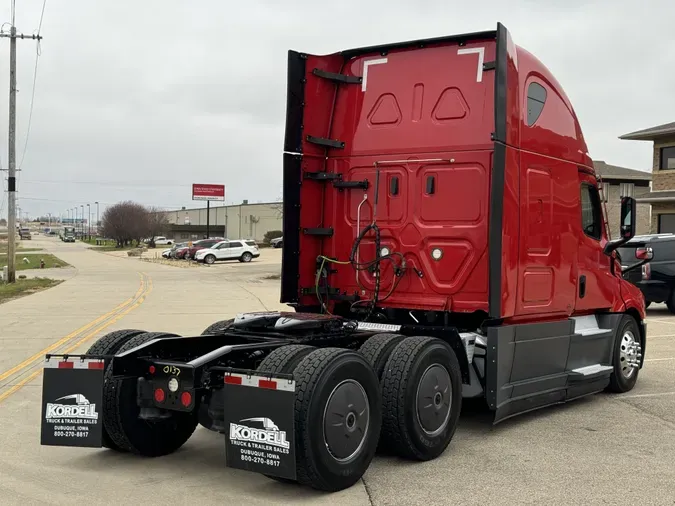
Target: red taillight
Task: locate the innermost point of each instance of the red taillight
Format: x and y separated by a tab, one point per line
643	253
186	399
159	395
152	369
646	271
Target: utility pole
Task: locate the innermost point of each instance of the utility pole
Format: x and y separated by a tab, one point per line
11	179
88	222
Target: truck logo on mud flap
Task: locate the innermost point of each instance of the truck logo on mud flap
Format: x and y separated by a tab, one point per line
269	434
80	409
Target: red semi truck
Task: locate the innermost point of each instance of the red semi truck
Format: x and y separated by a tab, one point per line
443	239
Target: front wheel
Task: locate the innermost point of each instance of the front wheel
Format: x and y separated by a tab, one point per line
209	259
626	356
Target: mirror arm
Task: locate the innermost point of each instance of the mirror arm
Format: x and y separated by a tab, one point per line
635	266
611	246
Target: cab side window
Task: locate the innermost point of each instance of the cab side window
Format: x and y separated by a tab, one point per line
536	98
591	217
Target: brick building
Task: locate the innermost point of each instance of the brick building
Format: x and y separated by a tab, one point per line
620	182
661	198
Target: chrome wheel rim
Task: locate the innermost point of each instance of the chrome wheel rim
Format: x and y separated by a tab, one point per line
630	353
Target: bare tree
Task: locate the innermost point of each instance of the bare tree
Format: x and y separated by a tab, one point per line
157	224
125	222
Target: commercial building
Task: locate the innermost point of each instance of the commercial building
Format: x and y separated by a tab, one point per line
242	221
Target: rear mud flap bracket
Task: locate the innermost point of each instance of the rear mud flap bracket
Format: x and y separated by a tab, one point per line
72	402
260	423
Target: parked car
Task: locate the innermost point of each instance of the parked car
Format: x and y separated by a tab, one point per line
200	245
243	250
169	252
656	279
163	241
277	242
177	250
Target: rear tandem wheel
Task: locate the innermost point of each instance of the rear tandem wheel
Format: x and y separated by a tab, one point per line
120	414
337	413
421	398
110	344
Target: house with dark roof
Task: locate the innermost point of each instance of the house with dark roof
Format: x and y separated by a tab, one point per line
617	182
661	198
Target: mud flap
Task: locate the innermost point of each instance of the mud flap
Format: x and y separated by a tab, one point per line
259	423
72	402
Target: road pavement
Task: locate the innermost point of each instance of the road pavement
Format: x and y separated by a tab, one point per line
605	449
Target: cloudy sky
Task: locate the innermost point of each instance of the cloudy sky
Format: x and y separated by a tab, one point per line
139	99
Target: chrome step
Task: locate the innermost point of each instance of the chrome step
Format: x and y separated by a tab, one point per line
591	370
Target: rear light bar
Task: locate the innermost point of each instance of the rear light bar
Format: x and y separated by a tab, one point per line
75	363
259	382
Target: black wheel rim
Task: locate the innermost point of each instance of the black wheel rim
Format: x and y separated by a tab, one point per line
434	399
346	419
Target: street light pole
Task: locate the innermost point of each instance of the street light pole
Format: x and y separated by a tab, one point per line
89	222
98	223
81	221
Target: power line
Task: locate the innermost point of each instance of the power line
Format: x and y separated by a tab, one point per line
124	184
73	202
38	52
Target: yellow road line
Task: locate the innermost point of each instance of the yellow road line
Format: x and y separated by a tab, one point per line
21	383
123	313
73	334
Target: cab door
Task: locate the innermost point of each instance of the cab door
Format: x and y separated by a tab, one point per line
596	285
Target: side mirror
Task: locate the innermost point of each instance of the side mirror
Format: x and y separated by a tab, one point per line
628	225
628	210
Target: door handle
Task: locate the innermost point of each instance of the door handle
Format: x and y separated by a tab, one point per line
582	287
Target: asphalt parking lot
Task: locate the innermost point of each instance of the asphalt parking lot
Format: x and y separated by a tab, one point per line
607	449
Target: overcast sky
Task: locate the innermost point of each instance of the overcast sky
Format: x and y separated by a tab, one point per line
139	99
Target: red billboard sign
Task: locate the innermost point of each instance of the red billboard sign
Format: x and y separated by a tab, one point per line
208	192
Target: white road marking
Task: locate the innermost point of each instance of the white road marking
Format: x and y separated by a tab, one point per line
367	64
481	56
658	359
661	394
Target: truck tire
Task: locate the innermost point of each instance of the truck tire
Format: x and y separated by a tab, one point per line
627	347
377	349
120	415
285	359
335	459
109	344
217	327
421	398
